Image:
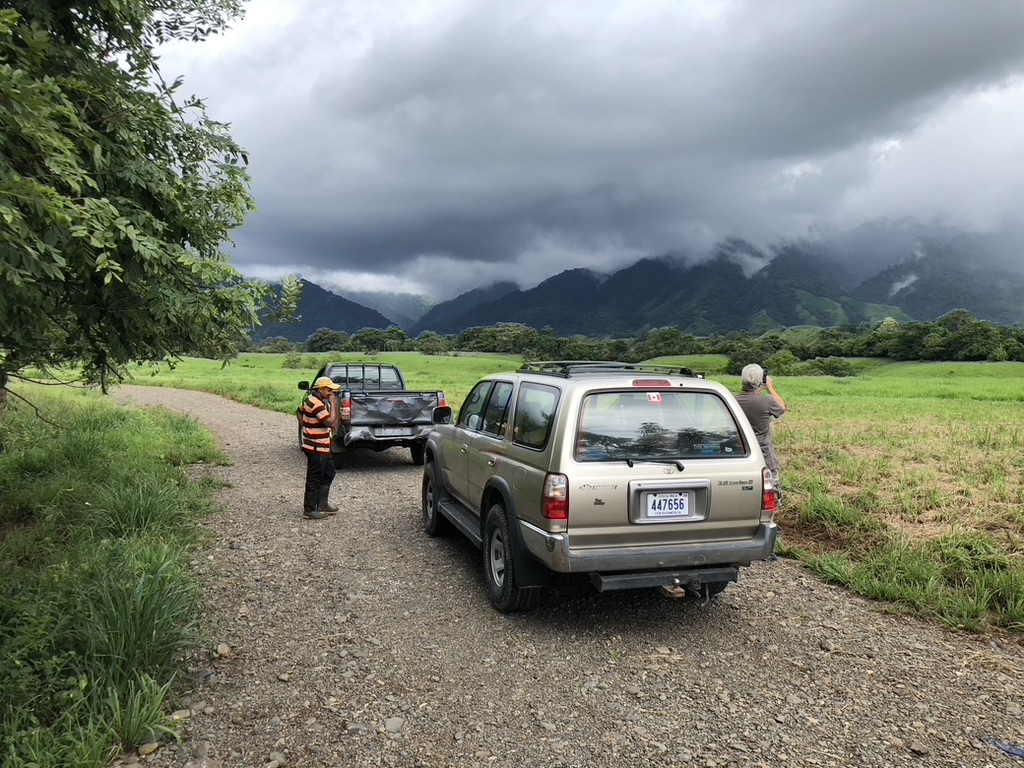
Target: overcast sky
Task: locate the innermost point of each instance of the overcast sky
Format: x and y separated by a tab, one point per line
434	146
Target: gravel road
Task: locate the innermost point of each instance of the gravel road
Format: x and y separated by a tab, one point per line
359	641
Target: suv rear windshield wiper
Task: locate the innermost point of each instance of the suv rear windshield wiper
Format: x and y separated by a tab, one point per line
674	462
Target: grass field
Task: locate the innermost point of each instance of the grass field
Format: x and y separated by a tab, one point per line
264	381
902	483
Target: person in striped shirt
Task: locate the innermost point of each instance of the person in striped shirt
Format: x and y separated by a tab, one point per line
319	416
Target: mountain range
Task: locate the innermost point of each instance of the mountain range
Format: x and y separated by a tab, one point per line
738	288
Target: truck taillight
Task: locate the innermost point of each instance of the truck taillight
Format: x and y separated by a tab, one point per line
769	495
345	409
442	401
555	501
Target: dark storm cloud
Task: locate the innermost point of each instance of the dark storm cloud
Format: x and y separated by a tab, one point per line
453	143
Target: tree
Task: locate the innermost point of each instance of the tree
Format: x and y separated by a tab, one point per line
477	339
396	340
513	338
116	195
431	343
369	340
326	340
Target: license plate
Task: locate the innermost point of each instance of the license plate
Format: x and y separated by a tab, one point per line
394	432
662	505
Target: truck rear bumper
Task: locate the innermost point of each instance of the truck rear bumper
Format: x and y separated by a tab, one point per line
554	551
387	436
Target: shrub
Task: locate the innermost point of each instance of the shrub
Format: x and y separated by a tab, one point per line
830	366
275	345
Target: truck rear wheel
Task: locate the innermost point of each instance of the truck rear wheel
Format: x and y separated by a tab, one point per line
418	451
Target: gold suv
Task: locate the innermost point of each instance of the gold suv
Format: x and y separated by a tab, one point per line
641	476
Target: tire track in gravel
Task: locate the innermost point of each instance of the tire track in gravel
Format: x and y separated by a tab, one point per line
360	641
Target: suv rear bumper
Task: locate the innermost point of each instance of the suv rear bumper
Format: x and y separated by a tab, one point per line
553	550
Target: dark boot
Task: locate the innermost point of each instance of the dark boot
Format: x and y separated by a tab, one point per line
309	506
323	505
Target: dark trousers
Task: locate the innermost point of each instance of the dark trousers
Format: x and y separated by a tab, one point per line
319	476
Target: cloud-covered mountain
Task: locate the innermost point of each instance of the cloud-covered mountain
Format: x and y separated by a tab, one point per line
319	308
908	276
402	309
795	288
940	276
448	312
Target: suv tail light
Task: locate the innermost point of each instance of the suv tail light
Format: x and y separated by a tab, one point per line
555	501
345	407
769	495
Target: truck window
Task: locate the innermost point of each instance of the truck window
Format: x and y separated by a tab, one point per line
368	377
389	379
535	410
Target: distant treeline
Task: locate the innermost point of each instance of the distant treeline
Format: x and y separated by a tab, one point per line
957	335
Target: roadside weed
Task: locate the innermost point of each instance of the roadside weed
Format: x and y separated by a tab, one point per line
137	710
152	506
138	609
97	601
78	740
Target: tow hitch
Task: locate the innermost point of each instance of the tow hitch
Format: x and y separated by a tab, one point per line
693	587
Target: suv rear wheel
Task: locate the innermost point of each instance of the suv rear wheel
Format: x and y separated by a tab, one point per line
499	570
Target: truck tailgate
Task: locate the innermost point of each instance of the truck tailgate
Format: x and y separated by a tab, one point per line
393	407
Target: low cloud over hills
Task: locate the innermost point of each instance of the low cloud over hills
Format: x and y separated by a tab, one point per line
738	288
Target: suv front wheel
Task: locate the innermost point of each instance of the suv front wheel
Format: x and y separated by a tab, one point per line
499	570
434	523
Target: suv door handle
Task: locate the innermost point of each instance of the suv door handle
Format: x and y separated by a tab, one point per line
491	462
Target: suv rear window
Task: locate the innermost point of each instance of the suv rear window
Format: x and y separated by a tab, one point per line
644	424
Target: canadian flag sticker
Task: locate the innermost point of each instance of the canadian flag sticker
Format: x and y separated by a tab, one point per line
654	397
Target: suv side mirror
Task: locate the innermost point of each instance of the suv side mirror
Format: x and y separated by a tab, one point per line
303	385
442	415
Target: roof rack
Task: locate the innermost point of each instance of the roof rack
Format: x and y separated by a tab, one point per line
567	368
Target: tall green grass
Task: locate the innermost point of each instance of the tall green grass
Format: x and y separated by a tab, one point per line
905	484
97	602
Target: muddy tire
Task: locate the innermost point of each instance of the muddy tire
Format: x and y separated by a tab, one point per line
499	569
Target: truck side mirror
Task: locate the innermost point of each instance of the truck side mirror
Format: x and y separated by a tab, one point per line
303	385
442	415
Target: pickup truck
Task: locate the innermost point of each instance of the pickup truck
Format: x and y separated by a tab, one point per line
376	410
